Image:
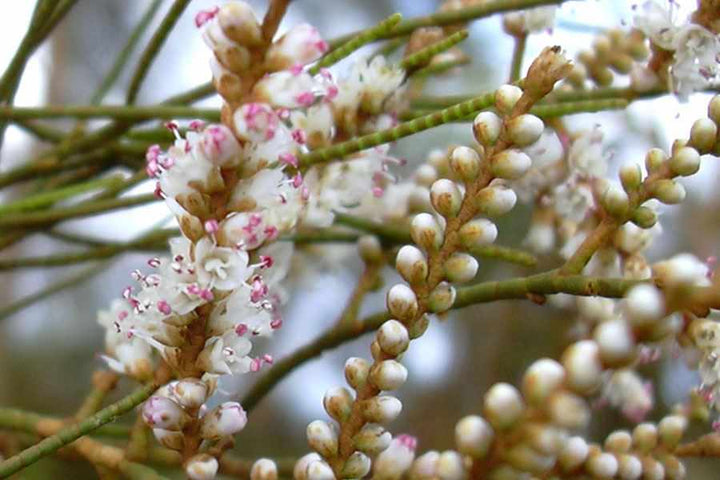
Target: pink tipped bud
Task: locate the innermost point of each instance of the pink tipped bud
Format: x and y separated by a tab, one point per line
164	413
392	463
224	420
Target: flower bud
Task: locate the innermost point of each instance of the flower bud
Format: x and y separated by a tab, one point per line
671	430
714	109
419	199
411	264
372	439
425	466
477	233
322	438
683	268
686	161
418	327
644	217
503	406
190	392
615	342
486	128
445	197
652	469
573	454
202	467
630	177
382	409
442	298
461	267
264	469
356	466
510	164
473	436
629	467
619	441
426	232
644	304
300	468
525	129
393	462
370	249
450	466
545	438
674	469
300	45
654	159
602	465
319	470
506	96
338	400
527	459
703	135
582	365
615	201
393	338
174	440
224	420
568	410
388	375
645	437
541	379
465	162
356	371
495	200
402	302
425	175
668	191
164	413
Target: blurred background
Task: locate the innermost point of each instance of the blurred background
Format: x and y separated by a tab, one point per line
49	350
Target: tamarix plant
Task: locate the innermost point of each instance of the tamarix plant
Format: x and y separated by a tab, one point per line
300	153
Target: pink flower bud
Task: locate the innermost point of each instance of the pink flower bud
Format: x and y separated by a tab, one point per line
224	420
162	412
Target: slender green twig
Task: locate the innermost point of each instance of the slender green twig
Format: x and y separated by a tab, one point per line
153	48
73	432
119	112
436	68
41	131
517	58
454	17
424	55
21	420
361	39
124	54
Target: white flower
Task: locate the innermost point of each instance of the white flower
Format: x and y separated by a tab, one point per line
288	89
183	166
697	52
533	20
221	267
657	23
586	154
227	354
300	45
627	391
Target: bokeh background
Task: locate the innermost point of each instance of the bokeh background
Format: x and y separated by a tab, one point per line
49	350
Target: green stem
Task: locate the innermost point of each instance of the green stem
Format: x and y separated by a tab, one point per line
454	17
118	112
440	67
23	421
36	219
424	55
361	39
153	48
517	58
69	434
41	131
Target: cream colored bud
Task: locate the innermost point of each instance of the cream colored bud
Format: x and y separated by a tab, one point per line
425	175
442	298
461	267
668	191
506	96
319	470
602	465
652	469
370	249
383	409
644	217
644	304
426	232
527	459
264	469
510	164
645	437
541	379
239	23
338	401
674	468
477	233
525	129
615	200
202	467
629	467
631	176
473	436
573	454
503	406
356	466
616	342
419	199
418	327
402	302
487	127
714	109
619	441
671	430
465	162
450	466
686	161
425	466
173	440
411	264
372	439
495	200
322	438
393	338
356	371
300	468
388	375
654	159
445	197
545	438
190	392
703	135
568	410
583	367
